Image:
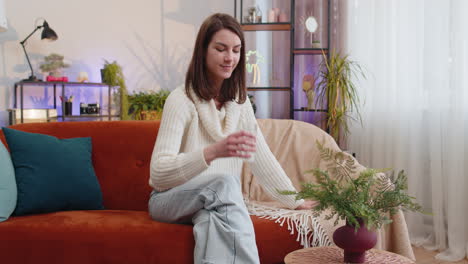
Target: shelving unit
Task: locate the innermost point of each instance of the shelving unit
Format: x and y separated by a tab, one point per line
285	53
40	98
266	27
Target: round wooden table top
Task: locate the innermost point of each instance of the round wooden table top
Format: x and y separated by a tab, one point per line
334	255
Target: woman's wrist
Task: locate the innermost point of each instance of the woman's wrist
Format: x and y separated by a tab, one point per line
210	154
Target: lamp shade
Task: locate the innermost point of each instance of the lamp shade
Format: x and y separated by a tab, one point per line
3	19
47	32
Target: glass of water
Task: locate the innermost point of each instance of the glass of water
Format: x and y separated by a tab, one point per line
252	129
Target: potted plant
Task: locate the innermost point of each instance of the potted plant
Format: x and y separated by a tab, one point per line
365	202
337	90
147	105
53	66
112	75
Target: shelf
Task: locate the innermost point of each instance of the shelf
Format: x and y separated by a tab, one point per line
288	53
80	83
267	27
67	83
104	95
87	116
35	108
268	88
310	51
310	110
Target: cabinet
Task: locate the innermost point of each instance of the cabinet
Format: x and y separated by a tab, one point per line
286	41
88	101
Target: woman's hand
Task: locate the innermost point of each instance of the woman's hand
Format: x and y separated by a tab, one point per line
307	205
238	144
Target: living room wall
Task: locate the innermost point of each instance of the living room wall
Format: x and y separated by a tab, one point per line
152	40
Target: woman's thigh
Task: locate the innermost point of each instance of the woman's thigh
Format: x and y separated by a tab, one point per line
179	204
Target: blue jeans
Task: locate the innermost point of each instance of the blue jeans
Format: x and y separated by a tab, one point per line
222	226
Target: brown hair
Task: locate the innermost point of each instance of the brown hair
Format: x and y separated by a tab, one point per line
197	78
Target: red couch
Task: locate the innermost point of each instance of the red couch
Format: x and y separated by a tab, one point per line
124	232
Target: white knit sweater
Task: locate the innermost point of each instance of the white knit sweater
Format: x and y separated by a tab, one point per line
187	128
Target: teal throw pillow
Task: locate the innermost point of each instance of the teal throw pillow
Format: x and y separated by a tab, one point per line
52	174
7	185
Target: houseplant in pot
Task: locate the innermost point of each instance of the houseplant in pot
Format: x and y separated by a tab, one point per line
337	90
147	105
112	75
365	199
53	66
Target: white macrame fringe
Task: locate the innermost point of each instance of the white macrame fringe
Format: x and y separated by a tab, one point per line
310	232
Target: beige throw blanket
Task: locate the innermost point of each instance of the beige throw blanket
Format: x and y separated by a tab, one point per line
293	144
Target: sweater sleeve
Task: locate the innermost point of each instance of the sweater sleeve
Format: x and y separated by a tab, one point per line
169	167
267	169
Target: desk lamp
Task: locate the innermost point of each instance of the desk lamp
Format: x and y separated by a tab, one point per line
47	33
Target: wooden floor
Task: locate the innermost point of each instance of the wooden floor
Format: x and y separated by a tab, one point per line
427	257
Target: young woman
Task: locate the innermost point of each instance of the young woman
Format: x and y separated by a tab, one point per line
197	159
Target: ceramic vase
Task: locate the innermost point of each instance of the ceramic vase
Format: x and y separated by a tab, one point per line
311	99
354	243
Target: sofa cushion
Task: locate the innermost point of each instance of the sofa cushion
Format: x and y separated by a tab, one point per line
52	174
118	237
121	156
7	184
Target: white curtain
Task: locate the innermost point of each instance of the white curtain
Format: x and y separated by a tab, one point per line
415	114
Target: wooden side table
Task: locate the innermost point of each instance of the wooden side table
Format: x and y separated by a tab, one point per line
334	255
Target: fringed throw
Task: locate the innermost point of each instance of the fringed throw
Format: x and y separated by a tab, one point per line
310	232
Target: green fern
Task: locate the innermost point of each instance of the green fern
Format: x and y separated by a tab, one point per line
338	163
371	196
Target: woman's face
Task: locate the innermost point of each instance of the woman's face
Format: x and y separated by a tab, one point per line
222	55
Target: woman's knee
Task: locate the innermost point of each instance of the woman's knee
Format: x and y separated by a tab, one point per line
223	189
227	180
226	183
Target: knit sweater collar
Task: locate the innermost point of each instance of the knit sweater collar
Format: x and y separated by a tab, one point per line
210	119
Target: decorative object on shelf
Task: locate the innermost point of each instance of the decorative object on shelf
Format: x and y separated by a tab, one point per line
311	25
82	77
32	115
272	17
47	33
50	78
252	65
276	15
316	44
53	65
283	18
67	105
89	109
112	75
277	12
362	199
147	105
68	108
308	86
337	90
3	19
259	15
254	15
